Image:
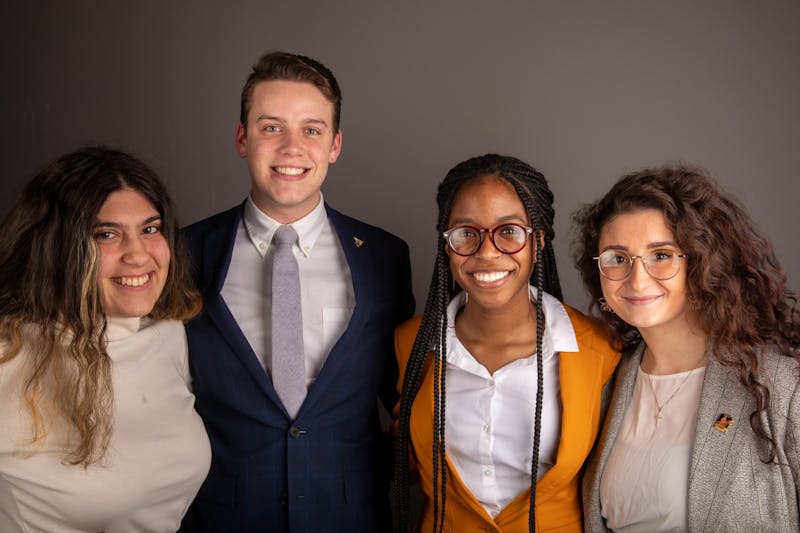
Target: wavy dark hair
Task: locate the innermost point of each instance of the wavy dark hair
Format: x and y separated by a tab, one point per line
735	281
50	304
535	194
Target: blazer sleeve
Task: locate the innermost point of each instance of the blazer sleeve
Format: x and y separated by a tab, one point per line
404	337
404	309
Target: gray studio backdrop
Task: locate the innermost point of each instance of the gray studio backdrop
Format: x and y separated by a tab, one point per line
585	91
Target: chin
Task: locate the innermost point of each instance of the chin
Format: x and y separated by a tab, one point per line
130	311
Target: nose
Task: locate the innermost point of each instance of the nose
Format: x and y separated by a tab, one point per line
487	247
291	143
639	275
134	251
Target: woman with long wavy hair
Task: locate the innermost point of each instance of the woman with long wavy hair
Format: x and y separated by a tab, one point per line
98	425
701	432
501	382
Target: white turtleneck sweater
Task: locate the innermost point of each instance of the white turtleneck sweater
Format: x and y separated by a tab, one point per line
157	458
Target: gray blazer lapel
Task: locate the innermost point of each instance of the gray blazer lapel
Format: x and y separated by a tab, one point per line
625	380
721	395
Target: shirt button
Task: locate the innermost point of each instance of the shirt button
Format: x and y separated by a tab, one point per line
486	428
262	246
295	432
491	383
487	472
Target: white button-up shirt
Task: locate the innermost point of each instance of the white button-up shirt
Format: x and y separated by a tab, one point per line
326	285
490	417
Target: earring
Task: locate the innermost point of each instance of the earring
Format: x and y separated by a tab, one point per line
604	306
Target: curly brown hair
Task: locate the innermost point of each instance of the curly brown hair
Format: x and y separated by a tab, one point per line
735	281
50	304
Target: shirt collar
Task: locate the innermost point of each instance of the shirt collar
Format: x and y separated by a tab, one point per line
558	326
261	227
118	328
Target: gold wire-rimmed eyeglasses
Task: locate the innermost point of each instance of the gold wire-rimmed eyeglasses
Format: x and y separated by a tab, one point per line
662	264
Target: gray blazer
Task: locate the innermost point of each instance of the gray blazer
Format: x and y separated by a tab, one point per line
730	488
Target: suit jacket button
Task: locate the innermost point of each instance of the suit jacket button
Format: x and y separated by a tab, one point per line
295	432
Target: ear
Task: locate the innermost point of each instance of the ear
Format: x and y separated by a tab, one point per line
241	140
539	236
336	147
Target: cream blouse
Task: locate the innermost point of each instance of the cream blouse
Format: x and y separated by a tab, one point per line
157	458
646	480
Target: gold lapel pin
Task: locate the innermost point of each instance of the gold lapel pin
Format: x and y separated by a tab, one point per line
358	242
723	423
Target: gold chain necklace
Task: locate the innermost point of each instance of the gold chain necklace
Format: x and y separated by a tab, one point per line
671	396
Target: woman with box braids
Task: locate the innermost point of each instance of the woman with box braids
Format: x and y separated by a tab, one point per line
482	364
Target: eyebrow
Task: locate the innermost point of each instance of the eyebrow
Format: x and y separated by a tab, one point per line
650	246
104	224
501	220
261	118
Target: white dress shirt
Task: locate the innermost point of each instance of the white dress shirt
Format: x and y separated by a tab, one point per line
490	417
326	286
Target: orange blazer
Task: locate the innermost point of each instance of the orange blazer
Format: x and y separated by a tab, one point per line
583	375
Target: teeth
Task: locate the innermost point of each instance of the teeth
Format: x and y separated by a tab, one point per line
137	281
290	171
488	277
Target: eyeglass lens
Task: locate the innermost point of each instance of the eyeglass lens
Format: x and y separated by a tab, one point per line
660	264
508	238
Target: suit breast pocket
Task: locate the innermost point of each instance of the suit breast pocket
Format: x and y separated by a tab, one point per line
334	323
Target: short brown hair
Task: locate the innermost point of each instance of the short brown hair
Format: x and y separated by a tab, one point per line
292	67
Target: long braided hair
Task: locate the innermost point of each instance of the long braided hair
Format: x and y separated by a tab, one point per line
535	194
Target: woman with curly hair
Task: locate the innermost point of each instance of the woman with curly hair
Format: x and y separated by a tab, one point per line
497	364
99	431
701	432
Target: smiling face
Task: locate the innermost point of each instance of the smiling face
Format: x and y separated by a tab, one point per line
492	278
288	143
641	300
134	255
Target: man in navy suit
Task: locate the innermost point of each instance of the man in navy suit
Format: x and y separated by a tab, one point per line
327	467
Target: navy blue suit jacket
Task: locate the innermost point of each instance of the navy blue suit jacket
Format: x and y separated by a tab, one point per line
328	470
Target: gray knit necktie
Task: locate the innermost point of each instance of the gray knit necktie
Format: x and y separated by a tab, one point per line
288	355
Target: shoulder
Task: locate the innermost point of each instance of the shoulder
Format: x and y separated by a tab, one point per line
162	336
593	341
590	333
167	328
225	219
784	379
345	224
409	328
404	336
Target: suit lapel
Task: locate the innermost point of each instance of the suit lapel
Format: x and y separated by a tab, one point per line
721	395
360	261
217	252
581	383
618	404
